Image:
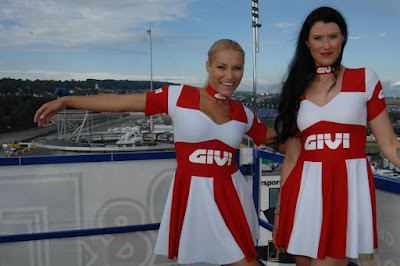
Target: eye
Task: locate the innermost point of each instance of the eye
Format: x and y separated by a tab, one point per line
333	36
238	68
221	67
317	38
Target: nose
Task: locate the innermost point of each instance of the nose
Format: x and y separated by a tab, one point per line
326	43
229	73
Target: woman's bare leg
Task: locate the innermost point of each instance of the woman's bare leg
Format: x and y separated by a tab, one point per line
329	261
302	260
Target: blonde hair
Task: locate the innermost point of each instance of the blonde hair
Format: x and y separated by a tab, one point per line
220	45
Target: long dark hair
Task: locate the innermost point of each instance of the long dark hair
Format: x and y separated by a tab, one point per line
301	72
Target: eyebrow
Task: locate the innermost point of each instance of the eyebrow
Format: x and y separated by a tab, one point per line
320	34
226	64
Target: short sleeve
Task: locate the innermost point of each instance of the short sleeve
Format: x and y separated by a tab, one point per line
258	131
157	101
376	101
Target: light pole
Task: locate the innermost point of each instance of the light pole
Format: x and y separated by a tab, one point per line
255	25
151	78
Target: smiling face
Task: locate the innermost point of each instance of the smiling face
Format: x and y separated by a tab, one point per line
325	43
226	71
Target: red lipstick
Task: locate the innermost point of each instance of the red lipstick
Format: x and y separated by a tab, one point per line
326	54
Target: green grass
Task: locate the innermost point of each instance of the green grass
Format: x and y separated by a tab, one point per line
269	122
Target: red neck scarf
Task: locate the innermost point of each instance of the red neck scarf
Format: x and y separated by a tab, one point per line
322	70
216	95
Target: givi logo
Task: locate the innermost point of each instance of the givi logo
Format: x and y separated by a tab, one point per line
324	70
320	141
380	95
208	156
157	91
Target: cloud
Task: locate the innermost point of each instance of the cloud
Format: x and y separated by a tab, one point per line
383	34
395	84
357	37
391	88
262	85
284	25
70	24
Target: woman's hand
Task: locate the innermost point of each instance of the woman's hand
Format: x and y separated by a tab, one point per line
293	148
275	233
44	114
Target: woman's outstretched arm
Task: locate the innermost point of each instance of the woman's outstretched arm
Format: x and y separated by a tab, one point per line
97	103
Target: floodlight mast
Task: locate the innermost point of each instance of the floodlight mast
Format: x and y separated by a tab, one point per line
255	25
151	77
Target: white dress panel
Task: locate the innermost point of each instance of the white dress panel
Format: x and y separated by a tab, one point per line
309	205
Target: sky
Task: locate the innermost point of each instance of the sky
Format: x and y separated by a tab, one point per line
104	39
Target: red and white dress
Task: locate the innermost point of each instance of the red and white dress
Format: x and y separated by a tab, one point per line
209	214
328	200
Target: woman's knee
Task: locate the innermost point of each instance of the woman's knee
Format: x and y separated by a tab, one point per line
329	261
302	261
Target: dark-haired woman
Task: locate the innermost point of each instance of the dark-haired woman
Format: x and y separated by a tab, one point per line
326	213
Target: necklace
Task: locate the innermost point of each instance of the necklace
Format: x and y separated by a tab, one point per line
322	70
213	93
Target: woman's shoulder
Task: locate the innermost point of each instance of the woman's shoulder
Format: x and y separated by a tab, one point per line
179	88
238	106
359	79
366	70
363	74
